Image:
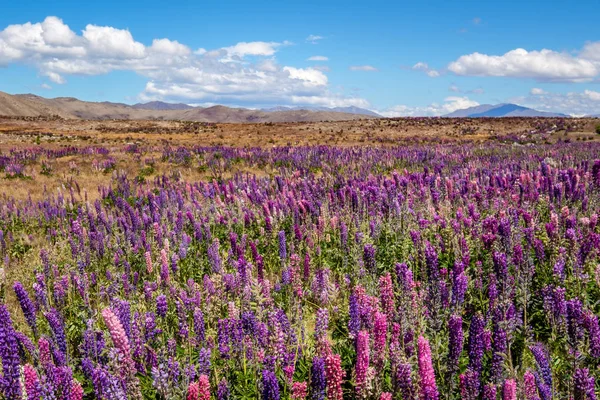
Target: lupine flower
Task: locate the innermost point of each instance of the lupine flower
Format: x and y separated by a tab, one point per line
317	379
334	376
299	391
362	361
583	385
428	386
509	391
529	387
9	353
27	306
270	386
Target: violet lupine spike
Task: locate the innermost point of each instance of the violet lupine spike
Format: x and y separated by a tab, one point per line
317	379
27	306
9	353
584	385
475	344
455	341
429	389
270	386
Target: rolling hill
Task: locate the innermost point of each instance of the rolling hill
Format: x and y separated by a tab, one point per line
29	105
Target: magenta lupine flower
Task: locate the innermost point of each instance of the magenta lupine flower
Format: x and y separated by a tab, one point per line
380	338
529	387
334	375
428	386
386	296
76	391
509	391
31	382
362	361
385	396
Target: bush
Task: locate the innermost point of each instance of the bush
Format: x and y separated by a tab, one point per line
598	129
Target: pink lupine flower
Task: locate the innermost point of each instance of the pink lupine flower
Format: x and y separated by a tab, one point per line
148	257
193	392
362	361
429	389
118	336
385	396
203	388
509	392
76	391
31	382
299	390
334	375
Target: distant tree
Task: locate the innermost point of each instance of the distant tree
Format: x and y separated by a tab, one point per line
598	129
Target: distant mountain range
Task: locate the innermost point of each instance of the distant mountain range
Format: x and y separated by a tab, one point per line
347	110
501	110
29	105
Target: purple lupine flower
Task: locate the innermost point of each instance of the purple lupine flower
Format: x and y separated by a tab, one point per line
9	353
27	306
270	386
405	277
214	257
199	326
317	379
369	257
282	246
362	361
354	313
161	306
475	345
58	329
455	340
499	348
544	380
223	392
583	385
489	392
574	321
403	381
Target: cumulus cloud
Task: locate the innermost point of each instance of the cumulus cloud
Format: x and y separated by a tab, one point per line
318	58
586	102
421	66
367	68
246	73
450	104
542	65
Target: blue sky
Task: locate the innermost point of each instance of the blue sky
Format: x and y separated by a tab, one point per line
398	58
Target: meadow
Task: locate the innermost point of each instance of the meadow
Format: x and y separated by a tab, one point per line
439	268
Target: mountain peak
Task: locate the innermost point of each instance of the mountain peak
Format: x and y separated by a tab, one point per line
500	110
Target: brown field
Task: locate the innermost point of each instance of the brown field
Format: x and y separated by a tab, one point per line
82	174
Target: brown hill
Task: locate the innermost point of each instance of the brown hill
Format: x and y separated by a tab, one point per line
29	105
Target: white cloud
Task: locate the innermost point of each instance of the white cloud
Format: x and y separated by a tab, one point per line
318	58
110	42
574	103
367	68
537	91
314	39
454	88
245	73
543	65
421	66
45	86
253	49
450	104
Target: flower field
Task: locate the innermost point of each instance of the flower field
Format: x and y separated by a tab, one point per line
425	271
